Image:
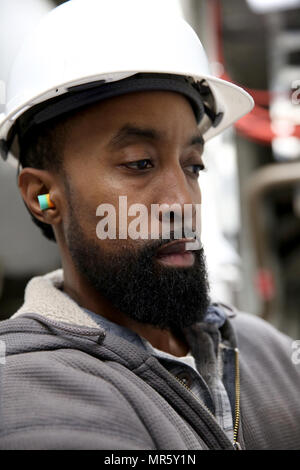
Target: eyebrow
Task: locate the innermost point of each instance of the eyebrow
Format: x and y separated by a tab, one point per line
129	131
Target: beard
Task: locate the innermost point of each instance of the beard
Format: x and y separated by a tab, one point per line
137	285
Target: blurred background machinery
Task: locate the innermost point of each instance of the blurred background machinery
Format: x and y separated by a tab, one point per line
251	192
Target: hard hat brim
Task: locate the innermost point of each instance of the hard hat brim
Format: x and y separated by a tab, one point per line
82	96
231	102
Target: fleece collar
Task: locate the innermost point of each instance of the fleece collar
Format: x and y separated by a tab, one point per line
44	296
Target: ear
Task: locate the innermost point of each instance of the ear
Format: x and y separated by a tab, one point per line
33	183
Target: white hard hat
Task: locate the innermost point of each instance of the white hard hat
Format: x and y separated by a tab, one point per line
82	52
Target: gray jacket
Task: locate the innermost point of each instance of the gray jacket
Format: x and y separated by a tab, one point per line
68	384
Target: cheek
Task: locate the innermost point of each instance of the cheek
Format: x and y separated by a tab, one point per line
104	200
125	223
104	207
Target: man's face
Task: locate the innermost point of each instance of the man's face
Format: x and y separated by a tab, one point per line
147	147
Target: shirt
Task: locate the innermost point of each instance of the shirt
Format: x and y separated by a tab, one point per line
201	370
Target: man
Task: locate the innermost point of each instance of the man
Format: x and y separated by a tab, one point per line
123	348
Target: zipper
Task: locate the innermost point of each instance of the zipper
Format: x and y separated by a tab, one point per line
195	396
236	444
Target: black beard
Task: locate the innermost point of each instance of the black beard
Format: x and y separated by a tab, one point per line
138	285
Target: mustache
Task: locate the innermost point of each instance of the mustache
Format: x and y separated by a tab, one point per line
150	248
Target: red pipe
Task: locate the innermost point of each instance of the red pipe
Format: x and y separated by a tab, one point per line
256	125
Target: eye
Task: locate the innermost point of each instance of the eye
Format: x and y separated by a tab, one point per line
195	169
140	164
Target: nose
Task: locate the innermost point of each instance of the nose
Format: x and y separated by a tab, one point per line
175	203
174	187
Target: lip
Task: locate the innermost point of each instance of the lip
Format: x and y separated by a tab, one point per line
176	246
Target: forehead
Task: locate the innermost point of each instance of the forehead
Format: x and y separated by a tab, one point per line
163	110
168	115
